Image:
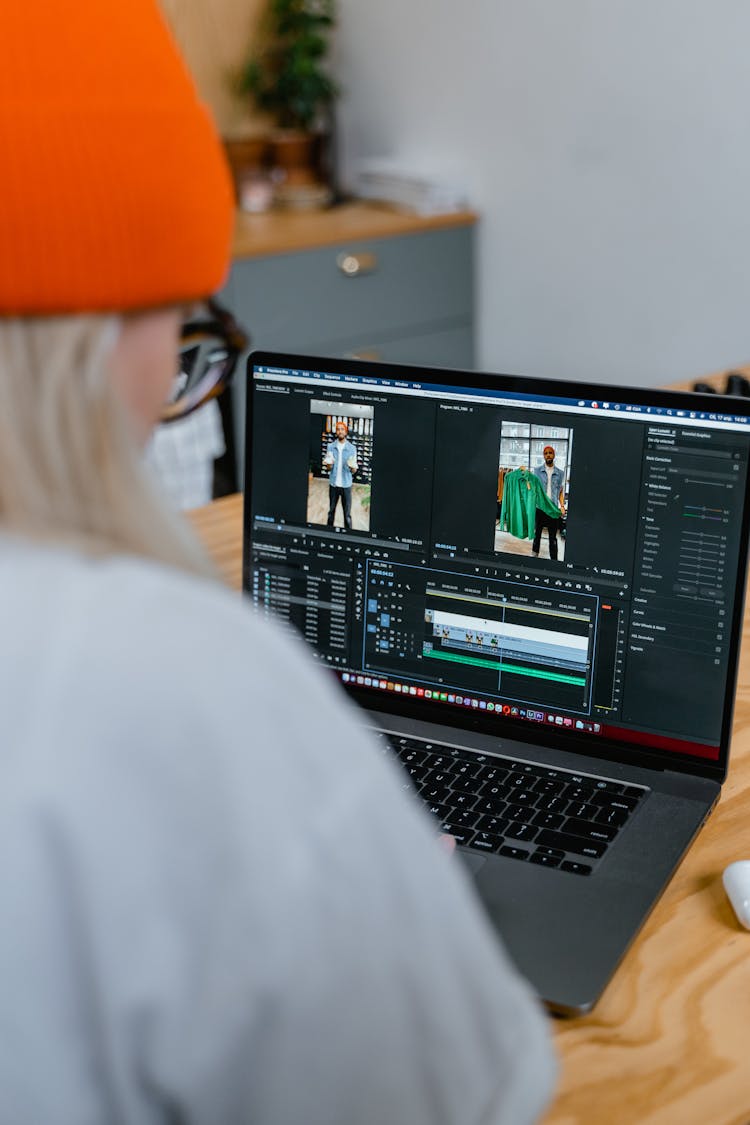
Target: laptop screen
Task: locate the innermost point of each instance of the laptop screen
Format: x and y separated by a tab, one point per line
521	552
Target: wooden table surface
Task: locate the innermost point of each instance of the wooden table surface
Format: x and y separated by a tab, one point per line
669	1042
282	232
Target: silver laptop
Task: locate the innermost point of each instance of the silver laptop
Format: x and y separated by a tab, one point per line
535	590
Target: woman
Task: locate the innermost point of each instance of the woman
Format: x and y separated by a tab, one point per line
218	905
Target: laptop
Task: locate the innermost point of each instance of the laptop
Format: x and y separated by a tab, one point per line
534	589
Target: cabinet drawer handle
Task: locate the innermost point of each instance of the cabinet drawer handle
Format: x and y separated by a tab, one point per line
354	265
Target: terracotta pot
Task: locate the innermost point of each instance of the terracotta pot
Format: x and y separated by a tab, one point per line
294	156
299	185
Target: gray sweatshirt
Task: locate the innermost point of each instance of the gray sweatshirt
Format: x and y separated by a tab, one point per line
218	906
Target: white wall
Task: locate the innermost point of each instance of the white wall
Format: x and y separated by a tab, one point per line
606	144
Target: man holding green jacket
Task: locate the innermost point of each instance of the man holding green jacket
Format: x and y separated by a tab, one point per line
552	480
523	497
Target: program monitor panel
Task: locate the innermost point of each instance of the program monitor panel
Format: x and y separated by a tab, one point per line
536	557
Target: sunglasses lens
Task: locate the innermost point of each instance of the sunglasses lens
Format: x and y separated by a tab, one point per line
204	363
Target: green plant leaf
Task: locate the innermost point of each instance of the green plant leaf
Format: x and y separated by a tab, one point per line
286	75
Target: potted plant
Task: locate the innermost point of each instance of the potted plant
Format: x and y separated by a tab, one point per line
286	77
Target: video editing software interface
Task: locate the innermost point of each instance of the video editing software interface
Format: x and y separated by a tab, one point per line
551	560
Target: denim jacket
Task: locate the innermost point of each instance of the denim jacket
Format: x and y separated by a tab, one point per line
558	480
348	451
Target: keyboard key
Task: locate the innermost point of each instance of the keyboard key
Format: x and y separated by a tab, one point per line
580	793
461	784
411	757
435	793
633	792
459	755
544	860
493	808
608	815
493	790
606	786
467	818
418	773
437	761
487	842
582	809
514	853
589	830
524	767
495	824
440	777
524	797
465	784
548	785
440	811
461	835
563	841
521	812
552	804
575	868
615	801
519	831
600	784
491	774
466	769
547	819
463	800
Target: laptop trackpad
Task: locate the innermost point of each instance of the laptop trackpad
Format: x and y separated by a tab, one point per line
473	862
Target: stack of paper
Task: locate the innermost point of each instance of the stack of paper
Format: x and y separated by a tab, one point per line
386	181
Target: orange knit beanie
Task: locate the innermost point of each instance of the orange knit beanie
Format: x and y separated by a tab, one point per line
114	193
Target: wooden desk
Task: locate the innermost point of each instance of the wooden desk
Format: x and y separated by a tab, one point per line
284	232
219	525
669	1042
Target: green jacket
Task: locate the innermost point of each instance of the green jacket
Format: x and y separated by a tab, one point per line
523	493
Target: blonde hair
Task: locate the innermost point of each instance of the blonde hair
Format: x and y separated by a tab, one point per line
70	469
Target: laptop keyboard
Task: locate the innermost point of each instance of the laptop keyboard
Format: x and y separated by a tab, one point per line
522	810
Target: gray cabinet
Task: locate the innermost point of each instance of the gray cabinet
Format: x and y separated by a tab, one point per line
405	299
